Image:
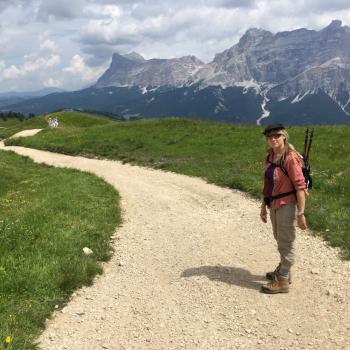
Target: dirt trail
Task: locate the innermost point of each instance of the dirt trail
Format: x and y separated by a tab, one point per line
189	261
26	133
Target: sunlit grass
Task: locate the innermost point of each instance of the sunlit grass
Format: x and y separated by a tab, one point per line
47	216
227	155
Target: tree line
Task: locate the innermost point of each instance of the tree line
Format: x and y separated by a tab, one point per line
8	115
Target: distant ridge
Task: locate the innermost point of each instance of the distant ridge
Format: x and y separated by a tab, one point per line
27	94
300	77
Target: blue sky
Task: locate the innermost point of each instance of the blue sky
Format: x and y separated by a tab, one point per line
69	43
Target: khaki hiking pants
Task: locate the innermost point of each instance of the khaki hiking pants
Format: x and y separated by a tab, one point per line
282	220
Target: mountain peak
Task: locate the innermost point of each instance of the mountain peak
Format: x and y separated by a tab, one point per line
127	60
135	56
133	70
116	57
334	25
253	35
191	58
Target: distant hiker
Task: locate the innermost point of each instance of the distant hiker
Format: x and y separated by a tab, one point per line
284	194
53	122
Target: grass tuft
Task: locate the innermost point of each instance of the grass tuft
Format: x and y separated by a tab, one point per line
47	216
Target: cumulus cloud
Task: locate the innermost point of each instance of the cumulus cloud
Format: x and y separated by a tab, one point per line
80	36
102	11
97	55
63	9
50	82
44	58
32	64
150	27
33	68
7	3
49	45
11	72
325	6
233	3
169	29
79	69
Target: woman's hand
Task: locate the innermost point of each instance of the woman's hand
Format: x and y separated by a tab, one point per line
301	221
263	214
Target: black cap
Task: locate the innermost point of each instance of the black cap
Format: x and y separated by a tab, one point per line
273	127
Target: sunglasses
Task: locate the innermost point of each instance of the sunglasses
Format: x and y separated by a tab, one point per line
274	136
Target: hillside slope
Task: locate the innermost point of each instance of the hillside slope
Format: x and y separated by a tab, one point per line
188	264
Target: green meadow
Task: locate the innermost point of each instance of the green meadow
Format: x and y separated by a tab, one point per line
227	155
47	217
37	209
12	126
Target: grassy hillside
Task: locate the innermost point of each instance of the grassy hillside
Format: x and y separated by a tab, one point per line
67	120
47	216
12	126
227	155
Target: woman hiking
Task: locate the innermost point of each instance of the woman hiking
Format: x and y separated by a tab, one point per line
284	195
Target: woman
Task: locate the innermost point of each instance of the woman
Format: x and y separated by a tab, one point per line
284	194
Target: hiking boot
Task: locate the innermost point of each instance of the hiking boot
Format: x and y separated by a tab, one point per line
280	284
272	275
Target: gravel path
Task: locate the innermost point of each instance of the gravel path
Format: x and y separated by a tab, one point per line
189	261
26	133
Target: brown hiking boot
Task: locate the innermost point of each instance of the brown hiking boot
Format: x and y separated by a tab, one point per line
279	285
271	276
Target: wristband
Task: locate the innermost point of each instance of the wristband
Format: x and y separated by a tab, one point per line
300	215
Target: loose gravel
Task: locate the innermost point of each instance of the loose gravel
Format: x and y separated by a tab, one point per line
189	261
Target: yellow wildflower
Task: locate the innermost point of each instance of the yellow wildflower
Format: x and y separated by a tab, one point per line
8	340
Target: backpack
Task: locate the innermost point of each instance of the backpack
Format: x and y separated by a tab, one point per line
306	168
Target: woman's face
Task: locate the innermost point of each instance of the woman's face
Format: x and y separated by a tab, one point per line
275	140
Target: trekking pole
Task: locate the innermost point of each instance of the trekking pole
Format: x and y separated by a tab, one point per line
309	143
305	142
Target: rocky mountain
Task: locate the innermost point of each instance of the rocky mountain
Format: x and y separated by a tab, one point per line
134	70
279	67
298	77
273	59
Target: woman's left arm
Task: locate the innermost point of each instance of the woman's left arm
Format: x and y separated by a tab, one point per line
301	220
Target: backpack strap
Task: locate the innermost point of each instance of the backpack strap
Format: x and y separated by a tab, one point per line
270	199
278	165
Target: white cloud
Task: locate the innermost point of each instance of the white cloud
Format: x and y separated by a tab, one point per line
31	65
48	45
11	72
52	83
187	30
79	69
34	63
32	71
102	11
78	37
49	10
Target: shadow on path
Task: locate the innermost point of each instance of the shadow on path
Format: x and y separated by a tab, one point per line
230	275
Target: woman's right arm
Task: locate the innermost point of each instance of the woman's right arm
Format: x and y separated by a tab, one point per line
263	209
263	213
